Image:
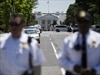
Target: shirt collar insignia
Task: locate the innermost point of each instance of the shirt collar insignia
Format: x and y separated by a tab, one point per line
93	43
24	45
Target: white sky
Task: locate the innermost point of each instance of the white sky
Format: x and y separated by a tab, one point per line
54	5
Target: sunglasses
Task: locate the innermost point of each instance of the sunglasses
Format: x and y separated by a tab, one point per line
15	24
83	21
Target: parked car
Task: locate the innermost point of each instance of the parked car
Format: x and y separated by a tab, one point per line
35	27
33	33
75	28
59	28
39	27
96	28
70	28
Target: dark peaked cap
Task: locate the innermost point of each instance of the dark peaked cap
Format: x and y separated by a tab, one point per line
82	15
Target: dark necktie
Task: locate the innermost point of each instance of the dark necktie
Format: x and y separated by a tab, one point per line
84	53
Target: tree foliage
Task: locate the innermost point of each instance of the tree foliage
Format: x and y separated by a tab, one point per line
9	7
92	6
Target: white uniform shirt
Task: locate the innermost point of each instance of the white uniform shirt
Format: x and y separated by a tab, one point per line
69	57
14	55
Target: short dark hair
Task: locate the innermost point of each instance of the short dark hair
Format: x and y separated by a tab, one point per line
15	16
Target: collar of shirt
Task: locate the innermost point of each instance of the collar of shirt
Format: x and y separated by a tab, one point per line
80	37
23	38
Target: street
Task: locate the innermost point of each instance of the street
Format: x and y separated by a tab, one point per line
51	43
32	30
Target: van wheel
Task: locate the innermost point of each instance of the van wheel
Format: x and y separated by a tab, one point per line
57	30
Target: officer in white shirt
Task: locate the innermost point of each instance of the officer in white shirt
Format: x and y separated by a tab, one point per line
15	49
80	53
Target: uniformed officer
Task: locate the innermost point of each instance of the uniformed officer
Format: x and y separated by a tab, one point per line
80	53
15	50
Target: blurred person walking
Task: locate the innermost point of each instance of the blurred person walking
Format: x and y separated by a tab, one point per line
80	53
19	54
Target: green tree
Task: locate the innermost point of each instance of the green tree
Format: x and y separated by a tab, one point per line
92	6
8	7
71	14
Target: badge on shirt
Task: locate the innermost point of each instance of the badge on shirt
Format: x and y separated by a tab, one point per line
24	45
93	44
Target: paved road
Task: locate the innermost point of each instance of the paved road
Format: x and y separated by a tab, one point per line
51	43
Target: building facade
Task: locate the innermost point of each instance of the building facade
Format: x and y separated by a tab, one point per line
47	19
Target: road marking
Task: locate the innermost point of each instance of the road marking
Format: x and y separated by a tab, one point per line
63	71
55	51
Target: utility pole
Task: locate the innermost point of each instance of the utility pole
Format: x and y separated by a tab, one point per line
48	6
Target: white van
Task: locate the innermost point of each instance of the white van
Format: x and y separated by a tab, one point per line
59	28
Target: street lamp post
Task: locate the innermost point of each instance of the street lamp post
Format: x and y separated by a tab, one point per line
48	6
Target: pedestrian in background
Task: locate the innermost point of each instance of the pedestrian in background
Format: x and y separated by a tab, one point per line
19	55
80	53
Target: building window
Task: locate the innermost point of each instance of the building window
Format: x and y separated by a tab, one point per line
43	21
49	21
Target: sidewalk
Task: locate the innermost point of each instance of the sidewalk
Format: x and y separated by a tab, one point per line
51	70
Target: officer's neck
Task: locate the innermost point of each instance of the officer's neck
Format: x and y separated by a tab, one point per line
16	36
84	32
